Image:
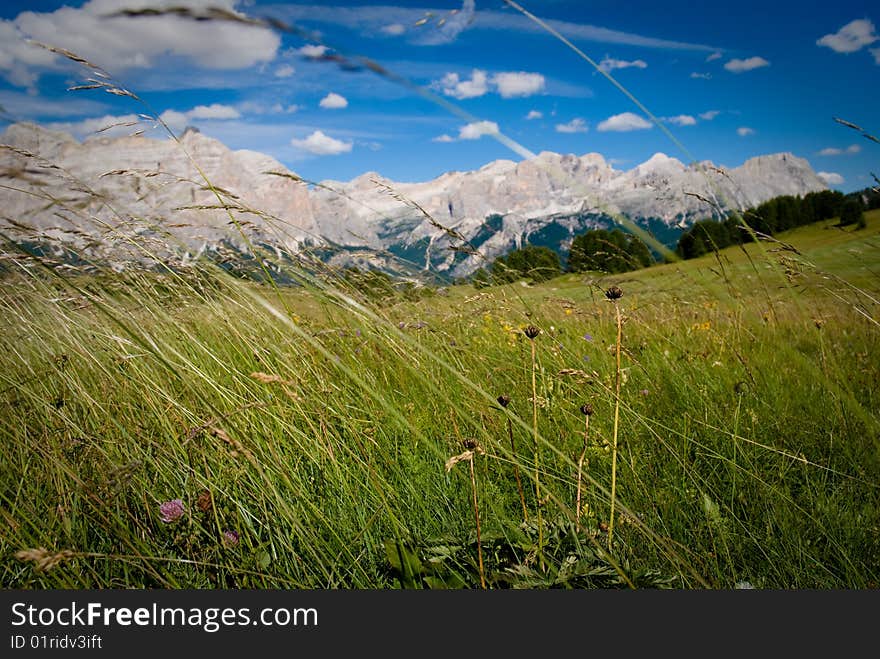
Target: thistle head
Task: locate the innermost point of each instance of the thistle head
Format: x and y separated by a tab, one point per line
614	293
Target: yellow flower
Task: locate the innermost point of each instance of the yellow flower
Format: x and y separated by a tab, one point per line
568	312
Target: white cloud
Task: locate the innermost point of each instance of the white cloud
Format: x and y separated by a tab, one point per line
576	125
394	29
851	37
255	107
609	64
18	59
830	178
123	43
745	131
682	120
742	65
443	138
284	71
710	115
108	125
453	24
833	151
214	111
452	85
534	114
321	144
518	83
477	129
22	104
623	123
312	50
508	84
369	20
713	57
177	120
701	76
333	101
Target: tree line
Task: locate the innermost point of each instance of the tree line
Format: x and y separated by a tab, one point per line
774	216
615	251
596	250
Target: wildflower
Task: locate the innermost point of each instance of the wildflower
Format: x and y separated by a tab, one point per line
230	538
568	312
171	511
531	331
614	293
644	392
588	337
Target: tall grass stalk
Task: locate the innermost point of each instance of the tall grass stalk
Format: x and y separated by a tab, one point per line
614	294
532	333
587	411
504	401
477	523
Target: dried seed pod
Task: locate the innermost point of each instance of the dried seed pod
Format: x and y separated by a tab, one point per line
587	409
531	331
205	502
504	400
614	293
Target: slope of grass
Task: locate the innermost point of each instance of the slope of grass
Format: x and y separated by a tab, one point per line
306	431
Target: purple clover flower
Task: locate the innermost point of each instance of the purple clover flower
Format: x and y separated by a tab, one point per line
171	511
588	337
230	538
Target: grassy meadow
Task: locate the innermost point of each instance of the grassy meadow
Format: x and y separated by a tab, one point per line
195	430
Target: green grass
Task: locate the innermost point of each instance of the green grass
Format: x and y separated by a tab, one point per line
749	443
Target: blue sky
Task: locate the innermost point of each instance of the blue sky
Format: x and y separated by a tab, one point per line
470	81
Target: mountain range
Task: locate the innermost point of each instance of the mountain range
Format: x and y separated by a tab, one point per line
135	199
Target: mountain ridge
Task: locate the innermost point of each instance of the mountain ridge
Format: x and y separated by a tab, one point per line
117	190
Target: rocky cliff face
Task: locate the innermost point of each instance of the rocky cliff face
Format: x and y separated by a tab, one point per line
135	198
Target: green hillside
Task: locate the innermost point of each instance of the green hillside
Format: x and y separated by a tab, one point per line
324	437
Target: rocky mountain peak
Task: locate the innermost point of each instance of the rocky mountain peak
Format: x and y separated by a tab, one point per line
157	192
